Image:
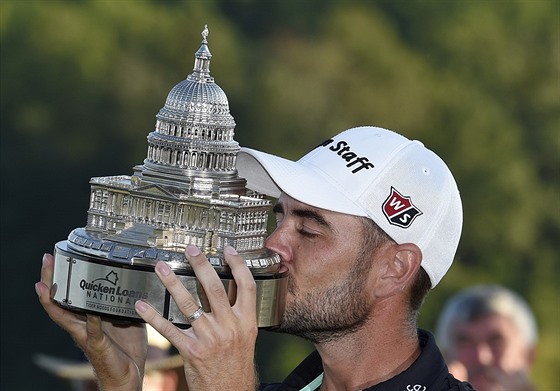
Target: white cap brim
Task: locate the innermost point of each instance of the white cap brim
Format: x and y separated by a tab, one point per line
272	175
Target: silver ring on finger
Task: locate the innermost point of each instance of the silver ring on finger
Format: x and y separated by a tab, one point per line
195	315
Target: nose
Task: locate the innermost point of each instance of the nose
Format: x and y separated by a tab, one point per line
278	242
484	354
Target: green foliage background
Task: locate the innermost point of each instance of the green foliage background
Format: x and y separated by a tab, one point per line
477	81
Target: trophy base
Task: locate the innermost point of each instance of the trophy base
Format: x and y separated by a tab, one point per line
95	285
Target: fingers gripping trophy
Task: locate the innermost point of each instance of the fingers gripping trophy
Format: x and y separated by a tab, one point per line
186	192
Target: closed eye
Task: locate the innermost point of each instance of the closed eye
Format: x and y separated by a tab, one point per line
304	214
307	234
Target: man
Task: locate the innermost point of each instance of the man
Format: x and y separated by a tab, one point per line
489	335
367	223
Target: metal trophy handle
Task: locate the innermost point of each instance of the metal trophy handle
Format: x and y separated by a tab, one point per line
187	191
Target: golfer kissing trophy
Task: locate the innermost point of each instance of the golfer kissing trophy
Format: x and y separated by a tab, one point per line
187	191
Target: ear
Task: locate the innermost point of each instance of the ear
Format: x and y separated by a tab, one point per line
531	356
402	263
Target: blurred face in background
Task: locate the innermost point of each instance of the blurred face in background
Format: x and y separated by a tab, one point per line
492	352
164	380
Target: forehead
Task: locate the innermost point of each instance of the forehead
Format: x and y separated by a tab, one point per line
335	220
486	327
290	203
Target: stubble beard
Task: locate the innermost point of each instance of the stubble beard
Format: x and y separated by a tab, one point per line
330	313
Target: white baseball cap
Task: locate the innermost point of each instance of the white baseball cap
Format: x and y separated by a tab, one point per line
405	188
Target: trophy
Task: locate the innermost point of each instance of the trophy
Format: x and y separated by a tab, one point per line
187	191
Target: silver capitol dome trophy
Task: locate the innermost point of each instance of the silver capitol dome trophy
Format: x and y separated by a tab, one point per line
187	191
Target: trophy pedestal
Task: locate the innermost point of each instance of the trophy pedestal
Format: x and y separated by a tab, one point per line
90	284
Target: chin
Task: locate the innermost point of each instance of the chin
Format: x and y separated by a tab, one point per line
482	383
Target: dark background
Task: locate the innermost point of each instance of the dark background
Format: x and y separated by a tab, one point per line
477	81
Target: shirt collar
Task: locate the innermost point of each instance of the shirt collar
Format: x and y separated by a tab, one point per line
428	369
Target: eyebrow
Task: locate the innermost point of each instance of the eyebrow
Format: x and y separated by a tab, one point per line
303	213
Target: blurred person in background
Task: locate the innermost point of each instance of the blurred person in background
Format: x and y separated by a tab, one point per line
488	335
164	367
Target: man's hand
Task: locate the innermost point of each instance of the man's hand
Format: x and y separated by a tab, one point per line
218	350
117	353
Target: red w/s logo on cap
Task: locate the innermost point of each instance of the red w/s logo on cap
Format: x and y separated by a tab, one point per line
400	210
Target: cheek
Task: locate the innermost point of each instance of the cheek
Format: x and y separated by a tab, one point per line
465	354
307	277
319	261
514	358
316	270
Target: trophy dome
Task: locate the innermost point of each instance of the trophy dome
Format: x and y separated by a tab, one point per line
198	98
189	95
194	135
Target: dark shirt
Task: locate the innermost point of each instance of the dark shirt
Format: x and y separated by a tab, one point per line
428	373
